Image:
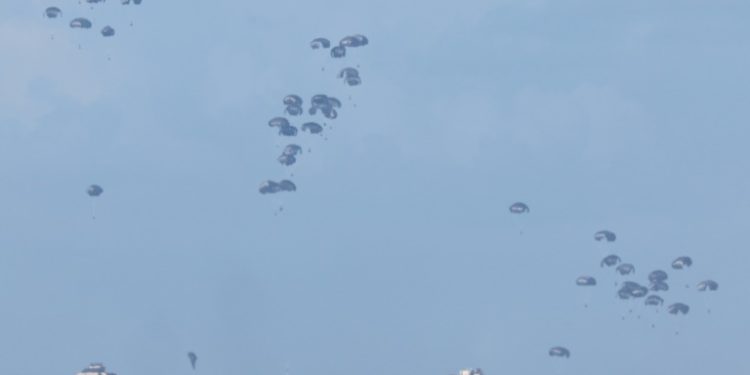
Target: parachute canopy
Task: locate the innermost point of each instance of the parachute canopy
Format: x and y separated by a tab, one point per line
625	269
605	235
682	262
632	289
586	281
654	300
294	110
657	276
52	12
519	208
312	127
338	52
272	187
708	285
108	31
288	131
659	286
318	43
559	351
278	122
356	40
94	190
292	100
610	260
292	149
287	159
678	308
80	23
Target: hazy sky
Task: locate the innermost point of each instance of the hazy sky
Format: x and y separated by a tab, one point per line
397	253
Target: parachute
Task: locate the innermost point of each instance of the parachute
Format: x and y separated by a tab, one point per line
312	127
519	208
682	262
356	40
294	110
708	285
559	351
288	131
137	2
625	269
292	100
272	187
353	81
318	43
292	149
108	31
632	290
287	159
659	286
657	276
610	260
80	23
193	359
348	72
278	122
603	235
338	52
678	308
586	281
654	300
94	190
52	12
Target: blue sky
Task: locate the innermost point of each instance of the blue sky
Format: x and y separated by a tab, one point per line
397	252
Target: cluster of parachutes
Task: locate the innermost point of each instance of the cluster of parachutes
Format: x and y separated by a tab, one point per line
349	75
327	106
657	279
631	290
84	23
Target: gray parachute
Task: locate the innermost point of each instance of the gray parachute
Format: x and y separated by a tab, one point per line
108	31
52	12
338	52
324	104
278	122
625	269
193	359
94	190
610	261
348	72
318	43
657	276
519	208
80	23
292	100
288	131
312	127
294	110
272	187
586	281
605	235
287	159
350	76
292	149
708	285
678	308
659	286
682	262
137	2
559	351
654	300
356	40
632	289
